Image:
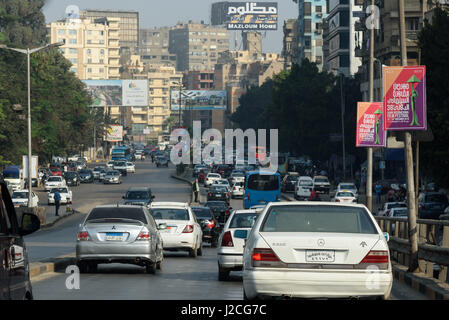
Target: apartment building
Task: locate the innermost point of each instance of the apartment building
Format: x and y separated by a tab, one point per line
290	48
310	30
197	45
92	46
153	47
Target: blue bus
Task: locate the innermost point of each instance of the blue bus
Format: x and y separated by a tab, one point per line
121	153
261	187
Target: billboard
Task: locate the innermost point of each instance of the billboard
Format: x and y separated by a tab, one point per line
252	16
370	132
131	93
114	133
199	100
404	90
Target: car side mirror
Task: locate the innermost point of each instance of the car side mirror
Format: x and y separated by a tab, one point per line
241	234
152	197
30	223
387	236
162	226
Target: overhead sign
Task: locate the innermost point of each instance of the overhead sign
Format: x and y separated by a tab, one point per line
199	100
404	98
114	133
370	132
252	16
130	93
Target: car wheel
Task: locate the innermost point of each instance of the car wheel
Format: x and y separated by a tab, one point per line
151	268
193	253
223	274
82	266
92	267
199	251
159	265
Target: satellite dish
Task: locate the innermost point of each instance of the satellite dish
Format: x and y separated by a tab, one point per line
72	12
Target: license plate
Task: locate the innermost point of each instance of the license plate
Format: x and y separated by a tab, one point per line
318	256
114	236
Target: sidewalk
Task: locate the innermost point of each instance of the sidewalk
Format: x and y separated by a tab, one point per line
187	177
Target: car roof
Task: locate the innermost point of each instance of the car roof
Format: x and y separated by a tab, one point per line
139	189
240	211
169	204
314	203
128	206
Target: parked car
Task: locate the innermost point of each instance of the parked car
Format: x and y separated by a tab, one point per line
183	232
289	182
20	199
209	225
54	182
303	188
66	195
72	178
112	176
219	192
119	234
431	205
15	281
86	176
141	196
230	250
315	250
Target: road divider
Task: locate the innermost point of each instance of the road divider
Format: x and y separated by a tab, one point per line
51	265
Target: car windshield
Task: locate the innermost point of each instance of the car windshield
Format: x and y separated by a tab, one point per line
54	179
117	213
137	195
97	169
20	195
306	183
203	213
112	173
243	220
263	182
238	174
292	178
170	214
322	219
436	198
63	190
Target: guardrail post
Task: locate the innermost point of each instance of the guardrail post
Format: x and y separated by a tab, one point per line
422	239
445	243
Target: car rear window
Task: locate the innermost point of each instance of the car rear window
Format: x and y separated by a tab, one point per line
243	220
218	189
137	195
330	219
396	205
263	182
321	180
53	179
203	213
436	198
345	194
117	213
170	214
347	186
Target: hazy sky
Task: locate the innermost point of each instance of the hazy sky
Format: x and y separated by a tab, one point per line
160	13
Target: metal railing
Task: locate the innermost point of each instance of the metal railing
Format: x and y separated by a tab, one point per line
433	244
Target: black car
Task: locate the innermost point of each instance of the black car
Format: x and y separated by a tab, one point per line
139	196
220	210
209	224
15	281
289	182
431	205
219	193
161	161
86	176
72	178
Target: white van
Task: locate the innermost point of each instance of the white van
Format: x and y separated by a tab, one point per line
303	187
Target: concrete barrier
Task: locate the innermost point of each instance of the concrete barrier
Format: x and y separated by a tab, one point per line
51	265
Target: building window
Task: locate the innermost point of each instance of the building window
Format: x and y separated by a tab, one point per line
101	33
89	60
74	70
318	9
89	41
307	25
72	32
89	70
101	61
307	9
73	51
61	32
72	41
73	60
89	51
307	43
101	70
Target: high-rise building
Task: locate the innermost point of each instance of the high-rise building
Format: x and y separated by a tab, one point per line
341	38
218	13
290	50
128	27
197	45
310	30
92	46
153	47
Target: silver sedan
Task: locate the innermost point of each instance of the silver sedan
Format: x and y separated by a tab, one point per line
119	234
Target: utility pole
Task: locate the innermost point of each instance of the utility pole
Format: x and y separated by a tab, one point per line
343	124
369	152
411	203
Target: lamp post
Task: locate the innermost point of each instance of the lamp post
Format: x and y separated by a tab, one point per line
28	52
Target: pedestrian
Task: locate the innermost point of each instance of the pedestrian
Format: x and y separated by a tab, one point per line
314	195
57	198
196	189
41	175
378	189
391	195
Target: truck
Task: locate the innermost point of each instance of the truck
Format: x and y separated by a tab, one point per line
15	178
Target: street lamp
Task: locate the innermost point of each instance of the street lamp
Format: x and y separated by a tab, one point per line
28	52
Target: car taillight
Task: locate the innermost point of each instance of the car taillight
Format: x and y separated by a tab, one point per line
227	194
83	236
226	241
378	258
227	212
337	200
144	236
211	224
265	258
188	229
235	188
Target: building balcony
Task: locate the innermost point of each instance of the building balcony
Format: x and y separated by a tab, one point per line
360	52
359	26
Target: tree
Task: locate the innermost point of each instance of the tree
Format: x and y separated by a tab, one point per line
434	45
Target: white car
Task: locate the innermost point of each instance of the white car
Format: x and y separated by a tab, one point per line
130	167
238	190
348	186
96	171
230	250
110	164
345	197
316	250
223	182
66	195
54	182
321	184
20	199
183	232
237	176
303	187
211	178
385	210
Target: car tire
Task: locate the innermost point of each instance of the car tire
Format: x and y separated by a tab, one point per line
82	266
159	265
223	274
199	251
193	253
151	268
